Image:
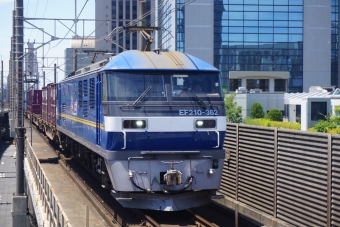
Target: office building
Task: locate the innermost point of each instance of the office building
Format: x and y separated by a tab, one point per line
268	45
112	15
80	48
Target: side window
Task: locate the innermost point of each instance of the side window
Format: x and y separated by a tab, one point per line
92	93
85	87
80	93
104	86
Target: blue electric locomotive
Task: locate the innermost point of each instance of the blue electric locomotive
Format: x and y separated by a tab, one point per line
150	124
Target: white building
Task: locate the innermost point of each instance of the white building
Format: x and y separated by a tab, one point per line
306	107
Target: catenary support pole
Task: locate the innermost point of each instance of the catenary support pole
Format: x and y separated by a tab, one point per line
43	78
55	73
2	88
19	205
141	11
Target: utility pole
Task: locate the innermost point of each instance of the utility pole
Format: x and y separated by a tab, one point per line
141	23
2	88
19	206
55	73
43	78
12	81
75	63
2	98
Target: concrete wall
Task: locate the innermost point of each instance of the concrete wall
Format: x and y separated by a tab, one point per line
316	43
199	30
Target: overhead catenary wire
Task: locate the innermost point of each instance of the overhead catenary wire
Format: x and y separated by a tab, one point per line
118	30
72	24
43	16
134	22
36	8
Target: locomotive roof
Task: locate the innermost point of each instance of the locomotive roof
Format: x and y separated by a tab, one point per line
150	60
146	60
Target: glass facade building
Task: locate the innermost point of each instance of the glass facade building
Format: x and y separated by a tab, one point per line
180	22
83	60
259	35
335	40
298	38
123	13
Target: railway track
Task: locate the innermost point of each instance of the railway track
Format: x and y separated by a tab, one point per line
117	216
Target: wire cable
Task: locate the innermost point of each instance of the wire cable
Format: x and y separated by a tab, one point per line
36	8
72	24
118	30
43	17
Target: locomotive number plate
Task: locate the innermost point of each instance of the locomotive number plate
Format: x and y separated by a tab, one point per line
198	112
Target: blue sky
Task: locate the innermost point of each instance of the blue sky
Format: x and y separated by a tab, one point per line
56	9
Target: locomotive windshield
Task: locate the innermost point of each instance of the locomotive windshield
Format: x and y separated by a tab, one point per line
130	86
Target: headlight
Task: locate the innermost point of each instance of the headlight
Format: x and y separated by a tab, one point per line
205	123
134	124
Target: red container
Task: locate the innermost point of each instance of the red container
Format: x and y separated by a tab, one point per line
51	103
34	101
44	104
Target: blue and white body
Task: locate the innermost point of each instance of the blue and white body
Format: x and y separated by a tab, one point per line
157	120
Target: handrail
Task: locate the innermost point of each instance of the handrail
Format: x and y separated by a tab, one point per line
52	207
218	139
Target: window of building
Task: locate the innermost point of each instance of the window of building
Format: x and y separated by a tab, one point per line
318	110
234	84
280	85
253	35
262	84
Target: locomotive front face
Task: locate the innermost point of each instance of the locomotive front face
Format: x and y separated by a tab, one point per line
164	133
155	124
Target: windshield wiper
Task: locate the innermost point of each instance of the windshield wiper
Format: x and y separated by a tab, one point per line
142	96
199	101
195	97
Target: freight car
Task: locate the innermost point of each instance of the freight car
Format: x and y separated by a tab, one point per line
149	125
33	104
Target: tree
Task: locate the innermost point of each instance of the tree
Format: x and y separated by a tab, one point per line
274	115
233	111
256	110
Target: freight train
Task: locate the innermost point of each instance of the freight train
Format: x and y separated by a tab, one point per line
149	125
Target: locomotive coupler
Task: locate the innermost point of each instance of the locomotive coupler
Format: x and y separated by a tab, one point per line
173	177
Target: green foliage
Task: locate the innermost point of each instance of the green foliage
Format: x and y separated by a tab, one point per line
330	125
256	110
233	111
274	115
337	110
268	123
324	126
334	131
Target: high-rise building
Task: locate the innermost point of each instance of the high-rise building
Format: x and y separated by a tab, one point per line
269	45
77	56
112	15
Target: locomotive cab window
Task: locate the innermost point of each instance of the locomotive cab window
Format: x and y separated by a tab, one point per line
204	86
129	86
119	86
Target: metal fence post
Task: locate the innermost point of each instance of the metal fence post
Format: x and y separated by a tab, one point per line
236	154
237	165
329	180
275	172
87	223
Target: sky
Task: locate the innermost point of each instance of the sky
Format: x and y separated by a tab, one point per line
56	9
